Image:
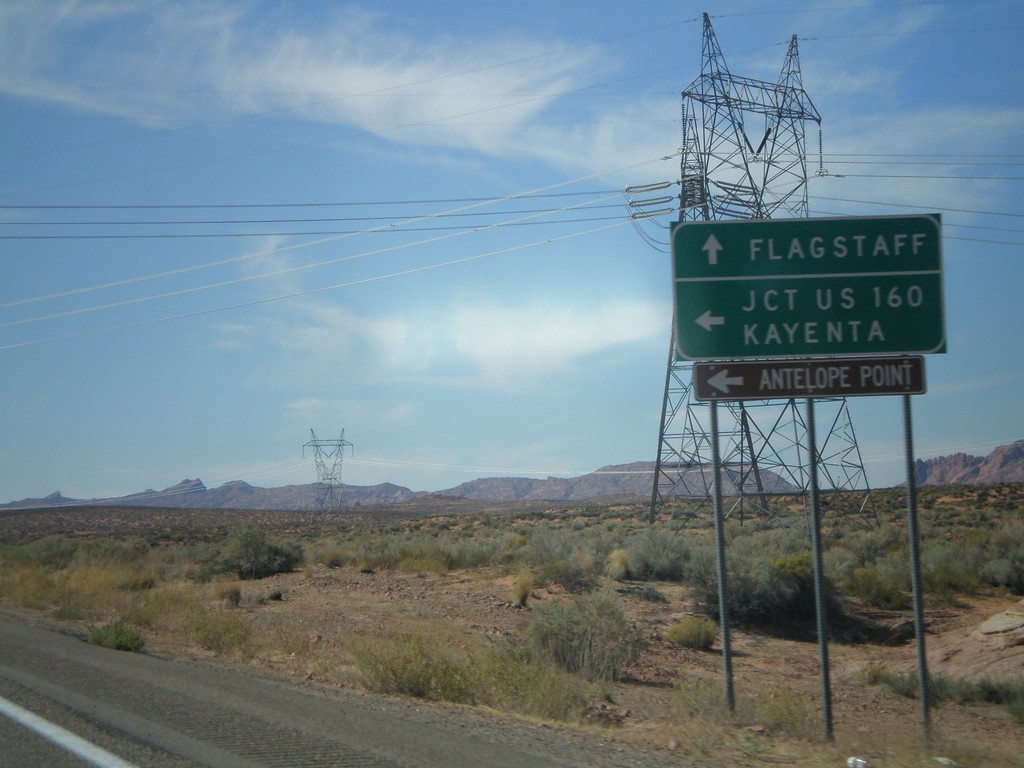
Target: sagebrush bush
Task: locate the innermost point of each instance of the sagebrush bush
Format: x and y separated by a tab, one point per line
765	589
1008	693
950	570
617	565
522	587
505	677
249	553
657	555
561	559
222	633
118	635
414	665
876	590
335	557
694	632
228	592
588	635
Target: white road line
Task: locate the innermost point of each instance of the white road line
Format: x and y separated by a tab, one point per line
62	738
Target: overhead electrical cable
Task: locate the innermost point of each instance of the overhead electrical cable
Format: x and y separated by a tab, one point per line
300	233
307	204
936	208
294	220
297	246
309	292
266	275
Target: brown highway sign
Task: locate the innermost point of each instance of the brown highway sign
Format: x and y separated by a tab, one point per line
808	377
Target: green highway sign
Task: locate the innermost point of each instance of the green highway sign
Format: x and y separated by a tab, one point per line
808	287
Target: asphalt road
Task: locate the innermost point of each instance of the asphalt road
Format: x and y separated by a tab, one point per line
161	713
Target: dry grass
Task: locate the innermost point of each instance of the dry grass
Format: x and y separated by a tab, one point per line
446	613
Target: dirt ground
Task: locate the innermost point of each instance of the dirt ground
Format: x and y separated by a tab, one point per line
308	616
645	709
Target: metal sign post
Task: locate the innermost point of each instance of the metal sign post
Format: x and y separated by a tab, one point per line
915	572
819	577
723	592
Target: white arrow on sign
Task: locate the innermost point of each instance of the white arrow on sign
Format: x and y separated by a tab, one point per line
712	247
707	320
722	381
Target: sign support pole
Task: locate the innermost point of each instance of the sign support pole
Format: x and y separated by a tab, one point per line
819	579
915	572
723	604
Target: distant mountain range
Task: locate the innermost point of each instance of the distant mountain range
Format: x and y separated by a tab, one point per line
1004	465
619	481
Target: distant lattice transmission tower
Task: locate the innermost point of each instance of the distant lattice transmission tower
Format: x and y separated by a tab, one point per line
328	456
744	157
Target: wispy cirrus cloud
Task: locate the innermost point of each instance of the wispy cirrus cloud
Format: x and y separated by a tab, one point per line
206	63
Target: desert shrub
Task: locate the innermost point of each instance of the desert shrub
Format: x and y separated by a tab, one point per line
560	559
228	592
694	632
587	635
764	590
617	565
248	553
657	554
872	587
427	555
509	678
414	665
30	585
870	546
949	570
522	587
505	677
162	608
104	550
650	593
222	633
1008	693
1005	568
50	552
780	711
118	635
1004	572
335	557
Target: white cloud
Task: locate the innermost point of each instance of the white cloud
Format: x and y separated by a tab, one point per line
157	61
512	347
467	345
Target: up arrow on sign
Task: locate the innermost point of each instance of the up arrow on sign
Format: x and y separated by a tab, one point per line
712	247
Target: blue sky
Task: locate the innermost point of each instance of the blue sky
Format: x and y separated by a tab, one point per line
227	223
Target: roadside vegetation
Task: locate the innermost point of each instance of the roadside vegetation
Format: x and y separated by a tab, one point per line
570	572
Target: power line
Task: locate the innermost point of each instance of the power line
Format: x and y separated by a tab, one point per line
250	278
426	217
293	220
306	204
937	208
309	292
301	233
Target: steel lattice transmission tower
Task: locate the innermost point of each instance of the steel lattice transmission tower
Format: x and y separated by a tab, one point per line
328	456
744	157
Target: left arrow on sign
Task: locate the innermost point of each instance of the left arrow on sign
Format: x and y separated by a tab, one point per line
722	381
707	320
